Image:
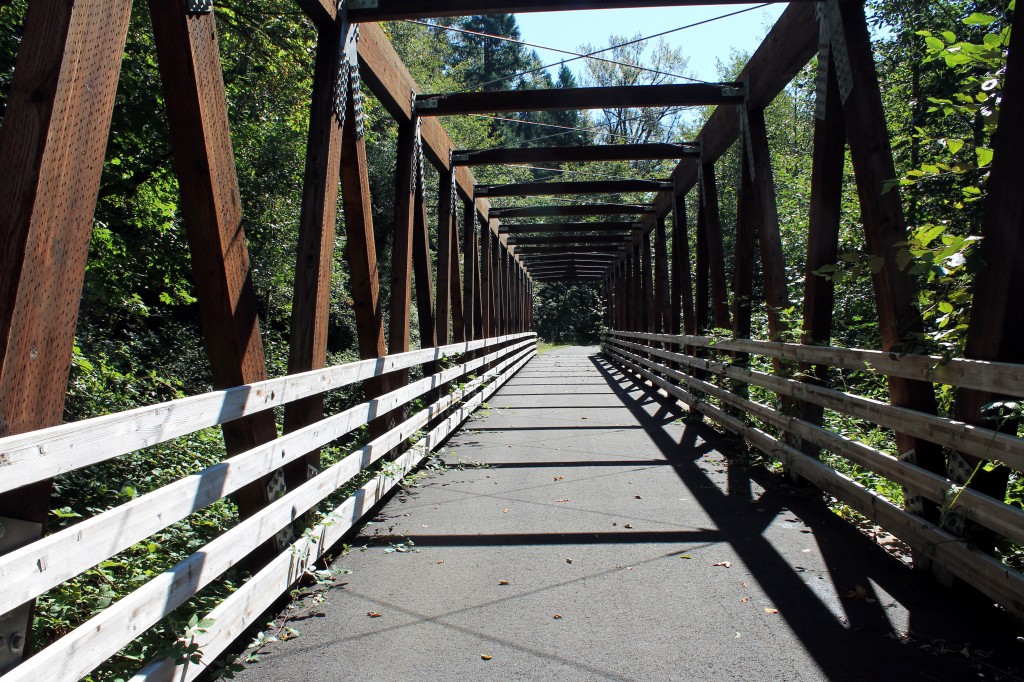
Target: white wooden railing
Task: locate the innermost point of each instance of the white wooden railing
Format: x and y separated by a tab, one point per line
655	358
27	458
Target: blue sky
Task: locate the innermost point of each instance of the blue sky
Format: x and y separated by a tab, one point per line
703	44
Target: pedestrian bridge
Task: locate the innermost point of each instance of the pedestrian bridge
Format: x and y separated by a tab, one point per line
585	513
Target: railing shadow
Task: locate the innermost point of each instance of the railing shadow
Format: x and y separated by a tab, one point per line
867	583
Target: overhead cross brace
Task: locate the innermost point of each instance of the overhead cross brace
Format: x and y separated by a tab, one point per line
385	10
578	211
533	189
563	228
551	99
580	153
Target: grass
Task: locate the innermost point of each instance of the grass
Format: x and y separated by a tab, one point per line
545	346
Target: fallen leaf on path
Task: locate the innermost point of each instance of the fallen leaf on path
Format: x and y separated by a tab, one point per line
503	582
628	525
374	614
724	564
737	635
561	500
584	417
568	561
637	497
557	616
440	561
767	610
744	600
486	657
559	478
685	556
505	510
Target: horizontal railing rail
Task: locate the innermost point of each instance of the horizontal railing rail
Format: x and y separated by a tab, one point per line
648	356
39	566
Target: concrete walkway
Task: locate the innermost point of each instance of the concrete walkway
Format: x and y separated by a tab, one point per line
584	533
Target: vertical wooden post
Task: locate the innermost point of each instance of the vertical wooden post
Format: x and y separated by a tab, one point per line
469	269
445	211
190	68
406	173
773	264
487	321
361	249
899	320
422	268
647	301
702	313
662	305
52	144
743	275
478	287
716	251
682	287
455	290
307	348
829	152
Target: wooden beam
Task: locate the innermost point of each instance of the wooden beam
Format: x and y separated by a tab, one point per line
613	97
307	347
885	229
52	145
579	154
570	211
443	297
596	248
534	189
386	10
662	307
406	171
455	292
469	268
682	283
716	251
190	68
647	282
389	80
829	160
996	329
773	264
486	283
581	239
422	268
787	48
702	292
562	228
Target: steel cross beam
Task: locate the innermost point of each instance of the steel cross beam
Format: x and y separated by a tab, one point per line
579	153
564	228
578	211
535	189
551	99
387	10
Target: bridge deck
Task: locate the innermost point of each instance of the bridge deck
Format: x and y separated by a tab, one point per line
596	504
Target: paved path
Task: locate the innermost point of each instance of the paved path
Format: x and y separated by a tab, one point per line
632	550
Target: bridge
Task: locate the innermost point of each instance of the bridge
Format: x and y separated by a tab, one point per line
586	497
